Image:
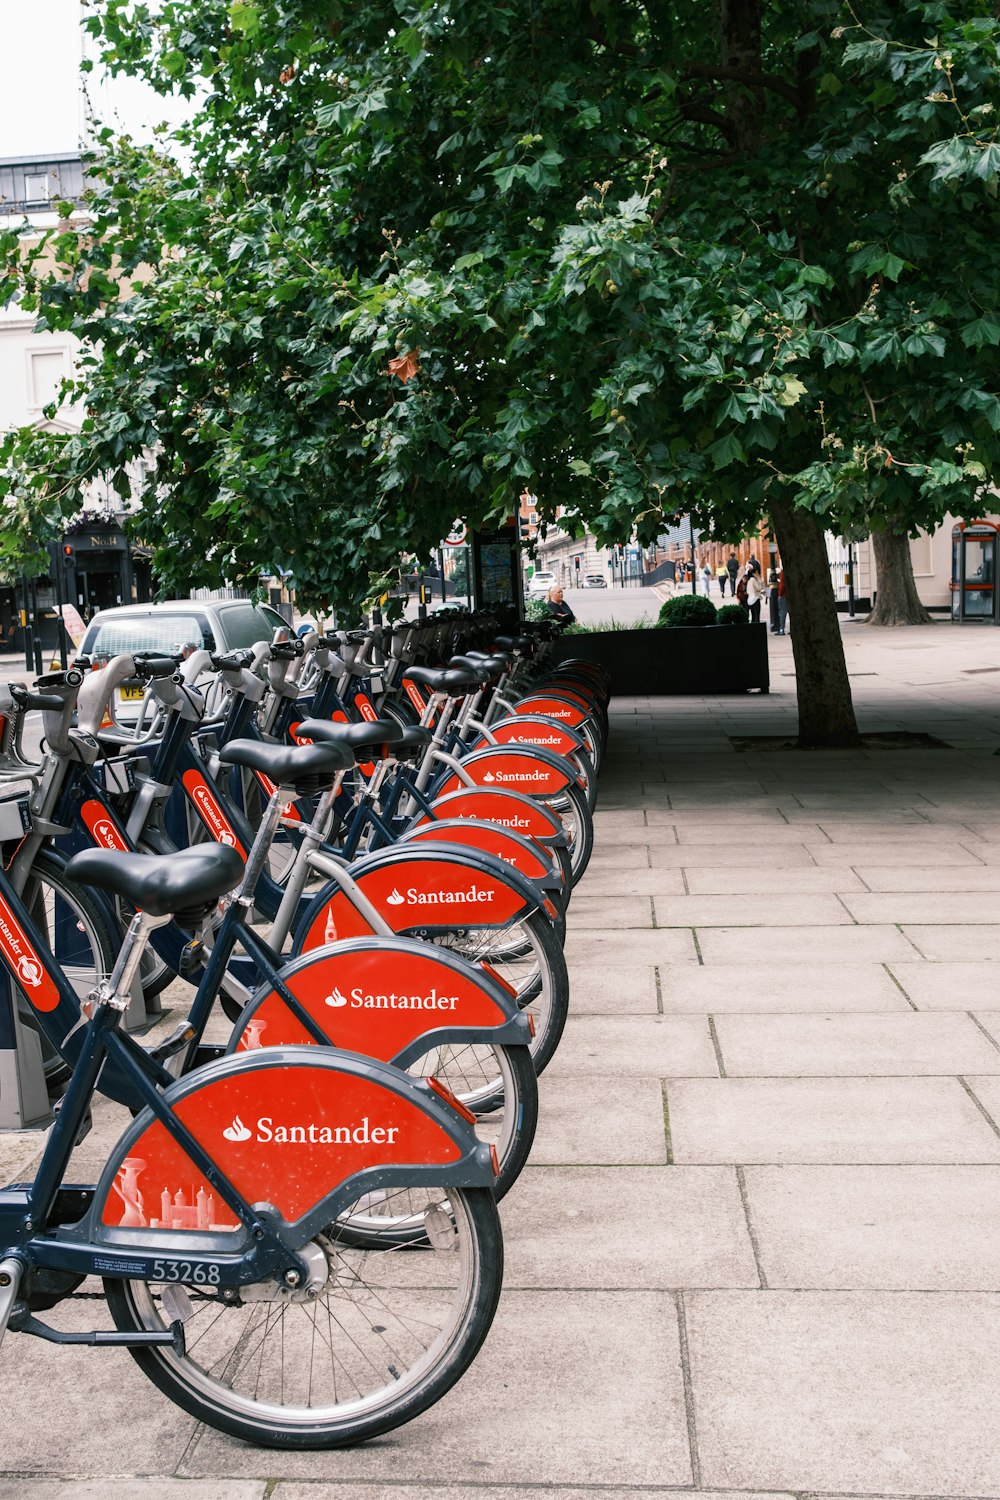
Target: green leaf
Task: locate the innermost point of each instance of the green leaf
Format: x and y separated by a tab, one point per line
726	450
244	17
980	331
411	42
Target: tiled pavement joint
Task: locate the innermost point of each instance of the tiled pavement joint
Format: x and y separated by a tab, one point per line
977	1022
713	1033
666	1123
980	1106
899	987
689	1411
659	990
741	1178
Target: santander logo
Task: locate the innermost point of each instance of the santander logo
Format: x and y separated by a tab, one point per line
25	963
336	998
29	971
362	1000
478	895
362	1133
209	810
102	829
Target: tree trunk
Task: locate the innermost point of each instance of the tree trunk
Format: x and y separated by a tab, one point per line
826	711
897	602
740	38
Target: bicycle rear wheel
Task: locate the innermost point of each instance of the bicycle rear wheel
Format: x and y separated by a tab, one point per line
389	1333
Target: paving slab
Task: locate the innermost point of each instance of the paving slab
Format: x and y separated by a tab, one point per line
764	880
762	910
931	878
943	852
718	989
602	948
629	989
669	855
636	882
763	836
587	912
889	1228
914	1043
294	1490
818	945
861	1393
947	986
640	1047
600	1122
955	943
933	907
865	1120
158	1488
568	1389
627	1227
103	1400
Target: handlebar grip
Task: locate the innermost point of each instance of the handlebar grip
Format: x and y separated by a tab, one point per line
232	661
287	650
24	698
149	666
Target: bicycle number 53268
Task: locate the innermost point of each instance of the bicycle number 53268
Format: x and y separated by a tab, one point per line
185	1270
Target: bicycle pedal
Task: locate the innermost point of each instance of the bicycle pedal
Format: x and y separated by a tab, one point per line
192	958
172	1044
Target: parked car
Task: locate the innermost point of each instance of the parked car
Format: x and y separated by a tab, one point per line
539	584
595	581
177	625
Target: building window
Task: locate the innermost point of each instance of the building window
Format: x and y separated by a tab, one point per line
533	517
46	369
36	188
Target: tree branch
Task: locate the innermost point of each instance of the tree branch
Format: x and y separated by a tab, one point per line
751	79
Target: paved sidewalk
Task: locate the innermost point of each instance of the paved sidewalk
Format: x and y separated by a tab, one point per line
757	1250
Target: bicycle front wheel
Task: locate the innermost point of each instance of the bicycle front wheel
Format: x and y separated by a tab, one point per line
386	1337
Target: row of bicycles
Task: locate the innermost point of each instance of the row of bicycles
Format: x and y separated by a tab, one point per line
356	852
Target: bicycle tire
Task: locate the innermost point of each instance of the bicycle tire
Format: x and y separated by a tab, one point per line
78	929
491	1080
466	1274
572	807
541	983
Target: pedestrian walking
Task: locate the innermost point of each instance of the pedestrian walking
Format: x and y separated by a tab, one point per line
732	568
756	590
772	597
706	580
722	575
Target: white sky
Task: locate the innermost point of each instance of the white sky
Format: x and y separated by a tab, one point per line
41	103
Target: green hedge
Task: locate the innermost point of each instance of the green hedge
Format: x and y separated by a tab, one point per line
688	609
732	614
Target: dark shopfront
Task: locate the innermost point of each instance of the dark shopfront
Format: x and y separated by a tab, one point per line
91	568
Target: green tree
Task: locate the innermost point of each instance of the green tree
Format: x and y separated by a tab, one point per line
648	259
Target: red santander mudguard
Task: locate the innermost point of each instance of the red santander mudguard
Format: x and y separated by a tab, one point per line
301	1129
534	730
524	855
389	998
419	888
510	810
513	768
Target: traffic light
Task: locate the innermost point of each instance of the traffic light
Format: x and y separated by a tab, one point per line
68	558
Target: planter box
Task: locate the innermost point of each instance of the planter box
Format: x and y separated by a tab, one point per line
654	663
